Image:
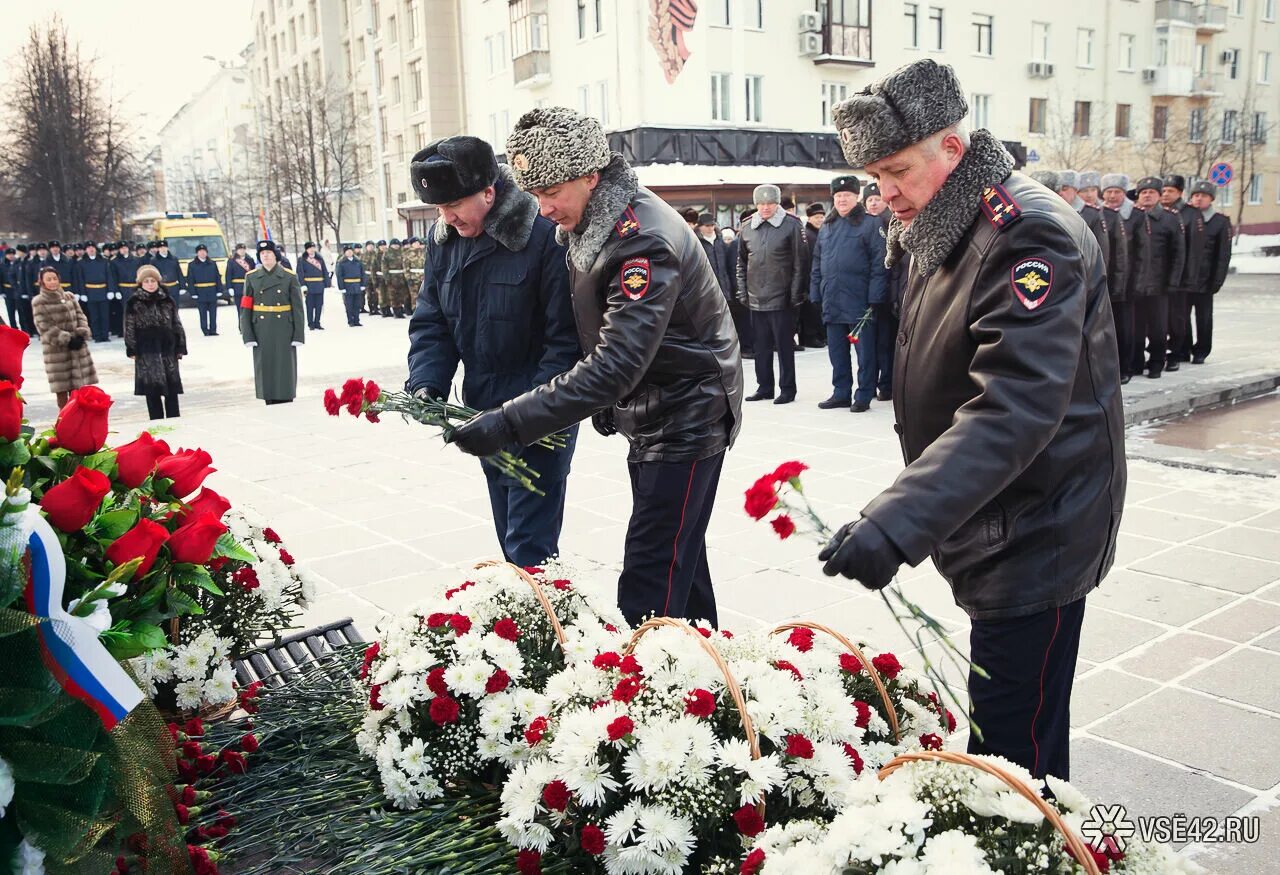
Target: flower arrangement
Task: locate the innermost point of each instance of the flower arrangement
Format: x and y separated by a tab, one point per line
453	687
189	676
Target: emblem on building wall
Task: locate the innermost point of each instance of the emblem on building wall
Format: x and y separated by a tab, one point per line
669	21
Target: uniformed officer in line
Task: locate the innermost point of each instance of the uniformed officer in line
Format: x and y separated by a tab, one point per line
662	361
124	273
238	267
271	324
1193	234
10	277
886	321
415	258
1069	190
93	284
1120	283
170	269
1214	266
1116	250
1007	399
313	274
61	262
205	285
395	284
153	247
381	303
367	256
1163	260
352	280
36	255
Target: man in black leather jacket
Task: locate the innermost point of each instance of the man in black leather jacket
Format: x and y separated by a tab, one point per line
1191	223
1159	270
662	363
1007	395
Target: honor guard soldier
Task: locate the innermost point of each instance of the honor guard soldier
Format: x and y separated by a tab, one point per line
382	305
1007	399
367	256
662	361
10	276
153	247
94	285
1116	252
313	273
170	270
414	263
124	273
271	324
352	280
238	267
1193	234
61	262
1163	257
396	283
205	285
1214	266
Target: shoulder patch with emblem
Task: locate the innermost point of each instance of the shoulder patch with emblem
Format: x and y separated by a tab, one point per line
635	277
628	224
1032	280
999	206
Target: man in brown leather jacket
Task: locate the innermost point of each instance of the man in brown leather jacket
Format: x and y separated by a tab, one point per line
662	362
1007	395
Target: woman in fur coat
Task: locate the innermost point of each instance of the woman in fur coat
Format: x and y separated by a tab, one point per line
154	339
64	337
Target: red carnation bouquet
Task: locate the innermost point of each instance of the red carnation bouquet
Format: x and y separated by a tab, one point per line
861	324
361	397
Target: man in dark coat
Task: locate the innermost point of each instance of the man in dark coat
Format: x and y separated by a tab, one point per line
29	287
1162	261
93	285
271	324
1125	219
10	276
124	272
1008	403
1069	190
886	314
771	274
206	287
313	273
170	270
811	333
495	298
62	263
1215	262
352	280
740	312
847	279
1193	233
238	267
661	366
713	245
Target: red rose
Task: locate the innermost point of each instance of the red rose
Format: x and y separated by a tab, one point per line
506	628
749	821
783	665
332	405
137	459
269	535
497	682
592	840
536	730
606	660
208	502
850	663
799	747
784	525
73	502
789	471
145	539
699	703
801	638
629	665
626	690
371	392
529	863
375	697
286	557
436	683
555	796
82	424
194	541
761	498
854	758
887	664
249	743
10	410
444	709
13	344
864	714
929	741
752	864
461	624
620	728
187	469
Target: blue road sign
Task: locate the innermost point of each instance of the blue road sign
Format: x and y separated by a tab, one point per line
1221	173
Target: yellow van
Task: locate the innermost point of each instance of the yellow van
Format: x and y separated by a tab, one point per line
185	231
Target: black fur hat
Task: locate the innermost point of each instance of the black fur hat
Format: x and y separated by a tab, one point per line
453	168
902	109
848	182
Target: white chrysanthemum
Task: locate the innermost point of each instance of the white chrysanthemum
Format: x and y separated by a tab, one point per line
590	781
416	660
189	664
28	860
387	669
6	786
413	759
401	692
189	694
219	690
1071	798
223	671
161	665
398	789
955	853
468	647
661	830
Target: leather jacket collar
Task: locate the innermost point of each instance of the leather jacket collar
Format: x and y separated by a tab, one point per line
617	187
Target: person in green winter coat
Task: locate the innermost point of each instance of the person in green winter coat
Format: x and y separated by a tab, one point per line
272	324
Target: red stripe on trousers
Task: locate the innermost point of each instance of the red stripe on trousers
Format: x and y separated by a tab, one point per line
675	546
1057	619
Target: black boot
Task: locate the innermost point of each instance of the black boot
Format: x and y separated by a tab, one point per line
833	403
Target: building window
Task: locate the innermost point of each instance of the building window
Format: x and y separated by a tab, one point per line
1084	47
1195	125
395	89
393	32
599	16
720	97
1159	122
602	87
411	20
1237	7
420	136
754	99
1264	68
1127	52
1233	63
1224	196
1230	123
832	94
980	110
314	18
722	13
528	34
1255	190
1259	127
584	99
982	25
1080	122
754	13
1039	41
415	83
400	147
386	182
1039	107
1202	58
377	70
935	28
1268	10
582	19
1123	113
911	17
848	31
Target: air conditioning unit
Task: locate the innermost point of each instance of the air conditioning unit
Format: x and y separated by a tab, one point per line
1148	74
1039	70
810	44
810	22
1048	70
1227	57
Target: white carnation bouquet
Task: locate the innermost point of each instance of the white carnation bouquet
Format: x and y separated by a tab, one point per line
190	676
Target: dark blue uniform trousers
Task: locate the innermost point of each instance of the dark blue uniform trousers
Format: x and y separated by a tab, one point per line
664	569
841	351
886	341
208	316
315	303
775	330
528	524
99	313
1024	709
352	302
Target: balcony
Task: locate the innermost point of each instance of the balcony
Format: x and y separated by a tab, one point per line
1206	85
1170	81
1211	18
1176	11
531	68
530	42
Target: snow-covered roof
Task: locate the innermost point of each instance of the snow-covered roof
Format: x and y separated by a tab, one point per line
667	175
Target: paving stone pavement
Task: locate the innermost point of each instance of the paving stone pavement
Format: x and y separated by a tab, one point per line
1176	706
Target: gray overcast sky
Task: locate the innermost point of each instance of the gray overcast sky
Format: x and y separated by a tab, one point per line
149	53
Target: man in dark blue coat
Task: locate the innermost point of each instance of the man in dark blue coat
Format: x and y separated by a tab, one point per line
352	280
93	284
313	273
10	277
238	267
62	263
124	275
847	278
170	269
495	298
206	287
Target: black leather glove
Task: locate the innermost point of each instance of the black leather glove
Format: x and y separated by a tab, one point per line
76	342
861	551
484	434
430	393
602	421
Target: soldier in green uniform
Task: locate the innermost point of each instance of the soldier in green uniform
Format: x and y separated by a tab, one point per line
366	257
272	324
415	259
396	282
381	305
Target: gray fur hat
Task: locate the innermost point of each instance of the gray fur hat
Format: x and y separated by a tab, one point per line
766	194
1115	180
1047	178
554	144
1068	179
1204	186
903	108
1090	179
